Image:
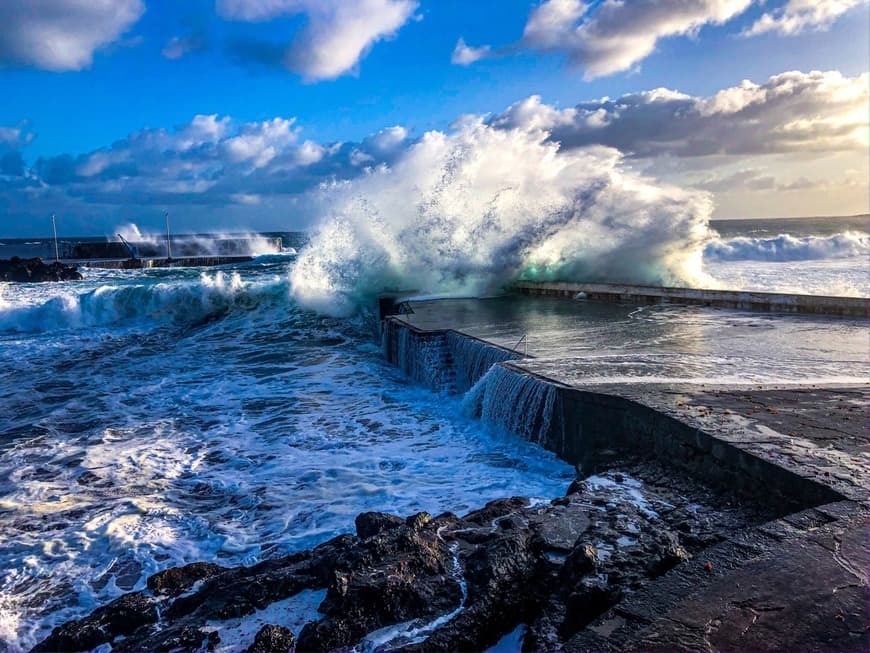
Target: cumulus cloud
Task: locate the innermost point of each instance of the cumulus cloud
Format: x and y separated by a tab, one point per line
212	160
791	112
61	35
611	36
798	16
15	137
336	37
464	55
793	137
181	46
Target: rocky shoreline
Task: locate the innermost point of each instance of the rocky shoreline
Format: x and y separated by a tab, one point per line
35	270
424	583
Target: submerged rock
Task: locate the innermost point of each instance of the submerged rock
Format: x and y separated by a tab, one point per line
34	270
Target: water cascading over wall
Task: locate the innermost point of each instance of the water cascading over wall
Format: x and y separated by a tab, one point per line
587	428
472	359
448	361
445	361
516	402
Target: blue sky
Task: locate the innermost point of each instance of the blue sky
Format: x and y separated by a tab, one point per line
126	82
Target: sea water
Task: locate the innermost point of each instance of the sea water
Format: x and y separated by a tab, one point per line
159	417
154	418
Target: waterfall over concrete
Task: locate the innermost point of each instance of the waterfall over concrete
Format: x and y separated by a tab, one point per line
445	361
472	359
452	362
422	356
514	401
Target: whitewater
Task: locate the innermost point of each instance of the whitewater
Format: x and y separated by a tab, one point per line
156	418
152	418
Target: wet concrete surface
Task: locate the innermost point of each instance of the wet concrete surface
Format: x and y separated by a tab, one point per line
789	410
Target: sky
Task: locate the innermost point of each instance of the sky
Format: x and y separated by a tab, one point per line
236	114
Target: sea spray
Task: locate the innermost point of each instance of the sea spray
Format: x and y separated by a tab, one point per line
470	211
237	243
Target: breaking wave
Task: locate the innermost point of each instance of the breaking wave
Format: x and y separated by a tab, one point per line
188	302
785	247
465	213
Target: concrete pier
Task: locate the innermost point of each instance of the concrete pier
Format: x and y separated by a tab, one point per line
148	263
183	246
738	299
799	582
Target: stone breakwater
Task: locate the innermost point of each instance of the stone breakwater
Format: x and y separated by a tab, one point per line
35	270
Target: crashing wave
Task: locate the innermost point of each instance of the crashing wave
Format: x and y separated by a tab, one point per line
785	247
175	303
467	212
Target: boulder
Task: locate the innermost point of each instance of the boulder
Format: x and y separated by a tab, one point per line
34	270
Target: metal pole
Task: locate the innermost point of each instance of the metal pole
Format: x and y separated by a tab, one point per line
168	241
54	228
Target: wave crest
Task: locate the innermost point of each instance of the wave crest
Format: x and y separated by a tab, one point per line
785	247
467	212
174	303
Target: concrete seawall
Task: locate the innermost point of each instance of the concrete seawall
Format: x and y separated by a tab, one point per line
737	299
590	427
148	263
798	582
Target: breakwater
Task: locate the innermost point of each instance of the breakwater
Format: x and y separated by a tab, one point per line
181	262
441	360
596	427
737	299
796	452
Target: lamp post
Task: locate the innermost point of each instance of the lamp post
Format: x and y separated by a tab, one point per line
54	228
168	241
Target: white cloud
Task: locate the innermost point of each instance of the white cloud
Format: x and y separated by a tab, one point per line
610	36
337	35
61	35
180	46
259	143
616	35
791	138
797	112
387	140
798	16
15	137
464	55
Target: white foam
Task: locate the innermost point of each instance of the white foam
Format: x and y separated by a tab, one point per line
466	212
236	635
150	443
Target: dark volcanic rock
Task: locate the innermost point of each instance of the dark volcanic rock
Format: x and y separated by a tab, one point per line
371	523
395	576
178	580
273	639
123	616
34	270
429	584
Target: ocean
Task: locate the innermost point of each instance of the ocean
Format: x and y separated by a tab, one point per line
152	418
